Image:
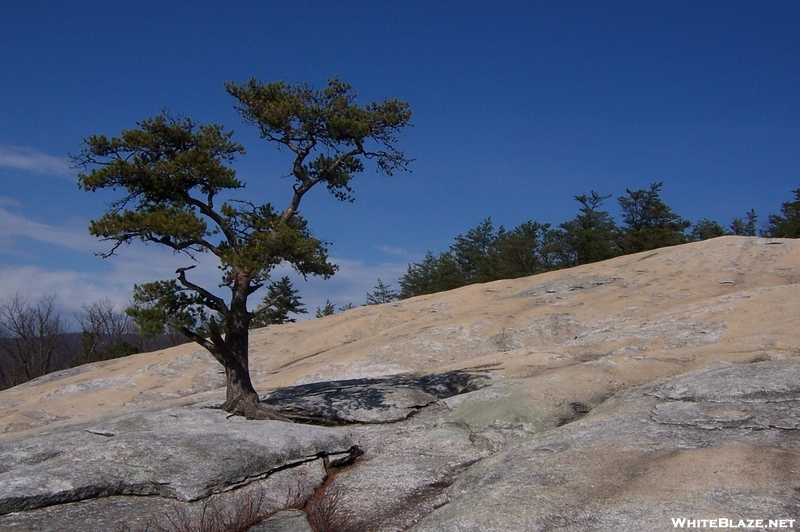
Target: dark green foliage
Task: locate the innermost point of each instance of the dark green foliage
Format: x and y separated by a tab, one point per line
280	301
165	307
485	254
590	236
474	253
706	229
328	310
746	227
518	252
529	248
173	173
328	122
649	222
786	224
433	274
381	294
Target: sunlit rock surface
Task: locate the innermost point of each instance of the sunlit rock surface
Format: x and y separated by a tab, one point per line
617	395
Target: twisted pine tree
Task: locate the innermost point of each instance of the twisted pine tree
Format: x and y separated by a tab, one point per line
174	176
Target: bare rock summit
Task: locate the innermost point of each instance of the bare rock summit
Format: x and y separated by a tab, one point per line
643	393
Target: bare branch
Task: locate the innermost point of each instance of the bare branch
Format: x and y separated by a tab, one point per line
203	342
267	304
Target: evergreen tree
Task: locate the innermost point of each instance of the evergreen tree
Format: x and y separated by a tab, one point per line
328	310
649	222
432	275
786	224
174	172
280	301
589	236
520	252
742	227
474	253
706	229
381	294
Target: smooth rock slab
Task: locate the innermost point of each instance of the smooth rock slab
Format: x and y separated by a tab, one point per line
184	454
284	488
721	442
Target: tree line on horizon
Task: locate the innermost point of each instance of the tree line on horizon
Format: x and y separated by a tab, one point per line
486	253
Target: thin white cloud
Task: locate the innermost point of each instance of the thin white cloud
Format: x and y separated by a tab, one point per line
9	202
140	263
31	159
75	288
71	288
13	226
136	264
392	250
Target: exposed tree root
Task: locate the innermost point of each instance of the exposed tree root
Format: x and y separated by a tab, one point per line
253	410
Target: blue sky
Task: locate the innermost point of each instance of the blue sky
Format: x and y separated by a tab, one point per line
518	107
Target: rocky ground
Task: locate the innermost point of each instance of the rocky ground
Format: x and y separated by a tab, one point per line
614	396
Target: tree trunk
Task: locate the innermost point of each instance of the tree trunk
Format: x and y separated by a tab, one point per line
241	397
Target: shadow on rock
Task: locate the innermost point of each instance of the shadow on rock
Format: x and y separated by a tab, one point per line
378	400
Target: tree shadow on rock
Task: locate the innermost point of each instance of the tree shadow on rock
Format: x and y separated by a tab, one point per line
375	400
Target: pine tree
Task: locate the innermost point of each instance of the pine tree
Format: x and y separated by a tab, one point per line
173	174
649	222
743	227
328	310
706	229
786	224
281	300
590	235
381	294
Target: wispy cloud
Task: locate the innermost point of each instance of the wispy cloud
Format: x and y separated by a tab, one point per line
10	202
392	250
14	226
114	277
71	288
74	288
31	159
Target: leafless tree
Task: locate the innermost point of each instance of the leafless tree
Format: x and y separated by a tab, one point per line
30	336
106	332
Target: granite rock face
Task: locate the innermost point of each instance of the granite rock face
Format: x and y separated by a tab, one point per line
721	442
154	454
613	396
100	475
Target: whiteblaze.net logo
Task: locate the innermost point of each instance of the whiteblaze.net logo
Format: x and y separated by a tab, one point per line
723	522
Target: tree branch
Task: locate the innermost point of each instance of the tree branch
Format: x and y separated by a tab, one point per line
207	210
267	304
212	301
203	342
